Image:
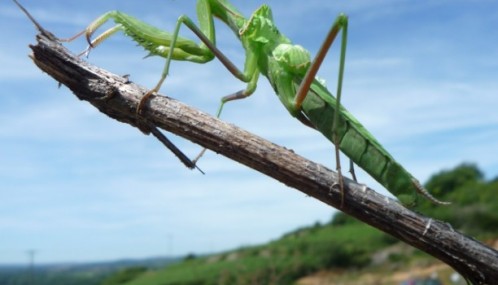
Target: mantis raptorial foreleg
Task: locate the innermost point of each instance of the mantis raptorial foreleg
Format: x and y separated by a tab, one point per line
172	47
341	23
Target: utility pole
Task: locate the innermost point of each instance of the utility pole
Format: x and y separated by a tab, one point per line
31	256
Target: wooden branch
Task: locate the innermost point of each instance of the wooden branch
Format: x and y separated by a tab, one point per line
116	97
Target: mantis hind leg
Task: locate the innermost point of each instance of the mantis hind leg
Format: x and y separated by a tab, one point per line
341	23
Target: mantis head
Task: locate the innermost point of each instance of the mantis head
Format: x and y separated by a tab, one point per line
260	29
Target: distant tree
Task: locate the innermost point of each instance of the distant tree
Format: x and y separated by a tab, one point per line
340	219
190	256
125	275
446	181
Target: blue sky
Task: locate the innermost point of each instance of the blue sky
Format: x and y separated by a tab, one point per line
77	186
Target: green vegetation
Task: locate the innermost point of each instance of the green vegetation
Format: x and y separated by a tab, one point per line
344	243
344	247
124	275
475	206
280	262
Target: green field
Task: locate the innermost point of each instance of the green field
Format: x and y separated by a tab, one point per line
345	248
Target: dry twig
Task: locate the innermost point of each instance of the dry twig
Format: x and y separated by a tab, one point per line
116	97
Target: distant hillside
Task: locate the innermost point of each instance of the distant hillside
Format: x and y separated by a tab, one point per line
75	273
344	248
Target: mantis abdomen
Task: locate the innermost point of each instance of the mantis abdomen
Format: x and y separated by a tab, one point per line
362	148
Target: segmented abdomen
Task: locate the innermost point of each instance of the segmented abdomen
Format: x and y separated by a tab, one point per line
361	147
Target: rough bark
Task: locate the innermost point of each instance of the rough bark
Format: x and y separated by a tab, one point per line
116	97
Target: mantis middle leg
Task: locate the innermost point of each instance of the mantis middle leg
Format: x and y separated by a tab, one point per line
249	75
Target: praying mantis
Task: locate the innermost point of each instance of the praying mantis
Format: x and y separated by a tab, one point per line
290	71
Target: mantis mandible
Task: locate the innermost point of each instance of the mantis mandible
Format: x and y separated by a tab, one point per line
290	71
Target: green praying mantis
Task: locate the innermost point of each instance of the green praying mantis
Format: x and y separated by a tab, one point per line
290	71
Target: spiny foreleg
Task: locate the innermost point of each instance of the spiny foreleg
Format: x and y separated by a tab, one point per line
90	30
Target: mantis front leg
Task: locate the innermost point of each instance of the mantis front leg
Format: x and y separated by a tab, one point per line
341	23
174	47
